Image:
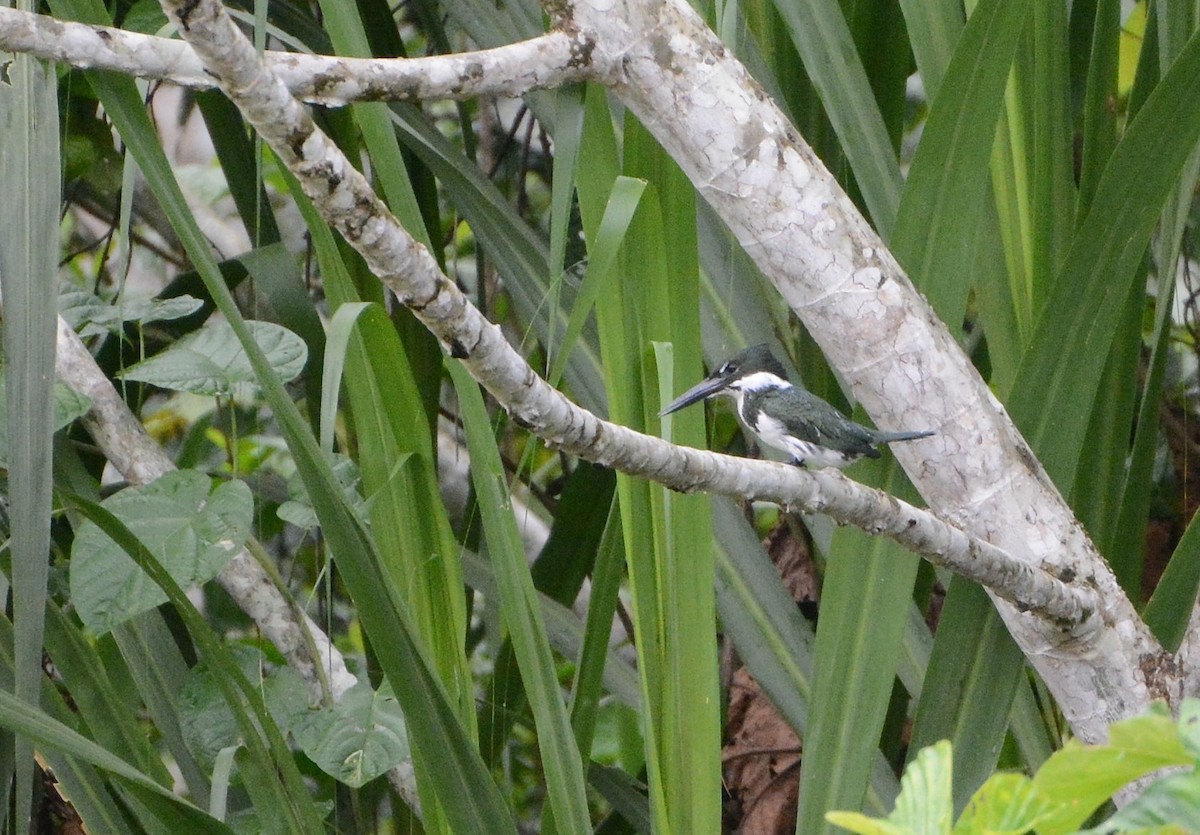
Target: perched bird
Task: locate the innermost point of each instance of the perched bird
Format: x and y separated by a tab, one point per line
786	416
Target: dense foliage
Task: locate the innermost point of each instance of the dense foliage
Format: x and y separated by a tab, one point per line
650	670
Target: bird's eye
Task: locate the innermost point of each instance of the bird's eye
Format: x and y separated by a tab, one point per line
728	368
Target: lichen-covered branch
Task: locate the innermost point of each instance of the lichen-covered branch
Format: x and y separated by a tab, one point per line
551	60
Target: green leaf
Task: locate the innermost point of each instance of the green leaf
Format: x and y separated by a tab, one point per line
933	29
618	214
943	197
357	739
298	509
565	632
1169	806
823	40
970	684
341	328
925	803
1051	399
193	532
87	787
48	733
520	254
30	174
860	823
772	637
207	723
865	604
1084	776
522	614
271	778
211	361
924	806
1007	804
1170	607
90	316
68	405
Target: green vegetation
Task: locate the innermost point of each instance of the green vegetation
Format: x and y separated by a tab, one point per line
539	644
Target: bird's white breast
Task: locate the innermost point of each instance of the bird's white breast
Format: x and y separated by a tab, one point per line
773	432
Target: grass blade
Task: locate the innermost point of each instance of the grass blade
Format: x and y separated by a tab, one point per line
522	615
29	167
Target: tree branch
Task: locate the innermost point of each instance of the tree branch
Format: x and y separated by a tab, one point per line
348	204
550	60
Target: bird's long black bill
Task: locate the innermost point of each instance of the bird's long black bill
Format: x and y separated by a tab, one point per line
702	389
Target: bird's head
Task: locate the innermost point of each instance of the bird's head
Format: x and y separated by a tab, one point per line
750	370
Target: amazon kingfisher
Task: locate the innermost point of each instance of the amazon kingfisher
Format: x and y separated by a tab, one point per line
786	416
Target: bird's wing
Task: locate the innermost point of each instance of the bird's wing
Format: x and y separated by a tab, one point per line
838	431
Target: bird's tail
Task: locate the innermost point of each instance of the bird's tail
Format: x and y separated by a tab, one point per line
890	437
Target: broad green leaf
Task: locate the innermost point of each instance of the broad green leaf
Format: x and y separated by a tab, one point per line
924	806
1081	777
68	405
354	741
281	800
1007	804
925	803
191	528
206	720
211	361
298	509
90	316
863	825
357	739
1189	726
1171	800
1169	806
